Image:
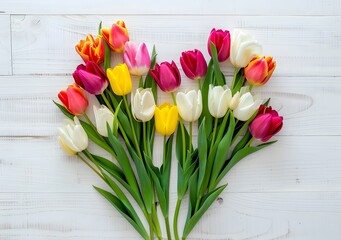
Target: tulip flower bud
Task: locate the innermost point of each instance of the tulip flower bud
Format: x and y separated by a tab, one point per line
143	104
72	136
74	99
120	80
91	77
243	48
259	70
116	36
167	76
166	118
137	58
247	107
91	49
189	105
221	40
103	116
266	124
219	99
235	101
193	64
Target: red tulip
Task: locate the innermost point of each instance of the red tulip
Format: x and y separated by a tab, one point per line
266	124
91	77
259	70
194	64
74	99
167	76
221	40
116	36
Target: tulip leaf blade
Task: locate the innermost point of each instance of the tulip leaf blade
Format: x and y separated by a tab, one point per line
181	146
207	201
202	142
217	72
64	110
117	203
239	156
205	88
149	81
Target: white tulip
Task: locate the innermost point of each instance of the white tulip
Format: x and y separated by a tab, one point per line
219	98
72	136
189	105
143	104
247	106
243	48
103	116
235	101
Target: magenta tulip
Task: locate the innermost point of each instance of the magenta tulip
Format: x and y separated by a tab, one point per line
91	77
193	64
167	76
137	58
221	40
266	124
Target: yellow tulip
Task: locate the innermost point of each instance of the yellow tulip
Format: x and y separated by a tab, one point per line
120	80
166	118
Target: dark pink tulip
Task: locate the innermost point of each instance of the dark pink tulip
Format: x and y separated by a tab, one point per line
91	77
167	76
266	124
193	64
221	40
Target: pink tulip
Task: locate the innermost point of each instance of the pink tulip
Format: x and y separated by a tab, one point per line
74	99
221	40
116	36
137	58
91	77
194	64
266	124
259	70
167	76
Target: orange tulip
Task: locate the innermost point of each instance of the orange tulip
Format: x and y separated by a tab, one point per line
116	36
259	70
91	49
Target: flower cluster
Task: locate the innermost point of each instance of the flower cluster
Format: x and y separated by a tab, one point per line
230	117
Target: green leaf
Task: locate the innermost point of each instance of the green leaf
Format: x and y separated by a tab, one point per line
205	87
179	146
222	151
145	182
239	82
239	156
100	29
193	194
166	169
202	143
207	202
246	138
64	110
217	72
124	162
267	102
149	81
117	203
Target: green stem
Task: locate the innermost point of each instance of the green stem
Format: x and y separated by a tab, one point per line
151	232
234	77
250	88
90	166
175	220
89	121
190	136
132	127
182	134
145	138
156	222
107	102
169	236
199	83
214	132
164	151
250	142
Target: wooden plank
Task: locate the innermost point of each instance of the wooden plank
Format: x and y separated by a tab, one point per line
243	7
5	45
302	46
75	216
309	105
293	164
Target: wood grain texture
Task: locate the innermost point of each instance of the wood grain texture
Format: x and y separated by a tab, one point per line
29	110
5	45
302	46
189	7
291	190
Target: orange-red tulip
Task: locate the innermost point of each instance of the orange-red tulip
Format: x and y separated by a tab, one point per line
116	36
74	99
259	70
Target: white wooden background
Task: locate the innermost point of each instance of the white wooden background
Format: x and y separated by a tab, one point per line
292	190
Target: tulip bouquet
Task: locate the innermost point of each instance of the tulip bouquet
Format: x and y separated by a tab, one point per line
229	119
